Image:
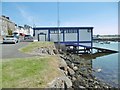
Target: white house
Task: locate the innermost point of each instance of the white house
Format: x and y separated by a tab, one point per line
26	30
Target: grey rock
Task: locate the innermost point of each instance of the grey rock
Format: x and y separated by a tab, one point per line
81	87
70	71
76	62
90	80
72	64
96	82
67	81
55	51
63	64
57	83
73	78
96	86
75	68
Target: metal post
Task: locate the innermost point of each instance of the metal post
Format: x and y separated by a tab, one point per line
58	23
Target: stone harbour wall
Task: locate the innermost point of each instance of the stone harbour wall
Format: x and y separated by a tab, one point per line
79	71
76	72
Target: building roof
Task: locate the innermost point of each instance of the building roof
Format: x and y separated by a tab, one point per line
44	28
3	17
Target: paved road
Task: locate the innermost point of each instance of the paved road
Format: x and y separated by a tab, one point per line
11	50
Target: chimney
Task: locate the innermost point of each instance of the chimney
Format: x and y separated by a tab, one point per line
7	18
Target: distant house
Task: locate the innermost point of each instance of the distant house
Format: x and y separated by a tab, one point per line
28	30
24	30
81	36
5	25
21	30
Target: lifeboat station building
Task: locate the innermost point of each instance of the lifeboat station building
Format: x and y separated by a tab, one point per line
79	36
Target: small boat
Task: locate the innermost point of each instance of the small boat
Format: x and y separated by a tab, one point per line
96	41
107	42
101	43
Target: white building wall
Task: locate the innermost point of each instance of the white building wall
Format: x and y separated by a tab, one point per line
31	31
25	31
21	30
84	35
5	25
41	31
17	30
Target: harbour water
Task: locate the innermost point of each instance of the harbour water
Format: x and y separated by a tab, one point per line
107	65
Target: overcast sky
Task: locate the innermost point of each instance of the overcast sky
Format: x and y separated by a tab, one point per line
103	16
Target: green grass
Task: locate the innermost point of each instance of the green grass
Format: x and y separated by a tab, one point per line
29	72
32	72
34	45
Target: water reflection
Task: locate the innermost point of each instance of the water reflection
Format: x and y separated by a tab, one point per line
104	66
94	55
108	62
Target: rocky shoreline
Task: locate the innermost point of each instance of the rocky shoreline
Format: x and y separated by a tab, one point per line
79	71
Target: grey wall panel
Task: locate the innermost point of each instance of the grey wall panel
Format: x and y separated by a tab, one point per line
70	36
54	37
84	35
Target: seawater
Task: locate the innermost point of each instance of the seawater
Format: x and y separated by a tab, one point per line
108	64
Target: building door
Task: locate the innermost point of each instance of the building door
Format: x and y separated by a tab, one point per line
42	37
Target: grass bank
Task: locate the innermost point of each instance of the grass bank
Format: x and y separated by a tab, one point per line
32	72
29	72
35	45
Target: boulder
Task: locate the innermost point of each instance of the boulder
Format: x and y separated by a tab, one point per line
81	87
60	82
73	78
76	62
72	65
70	71
56	83
75	68
55	51
63	64
67	81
